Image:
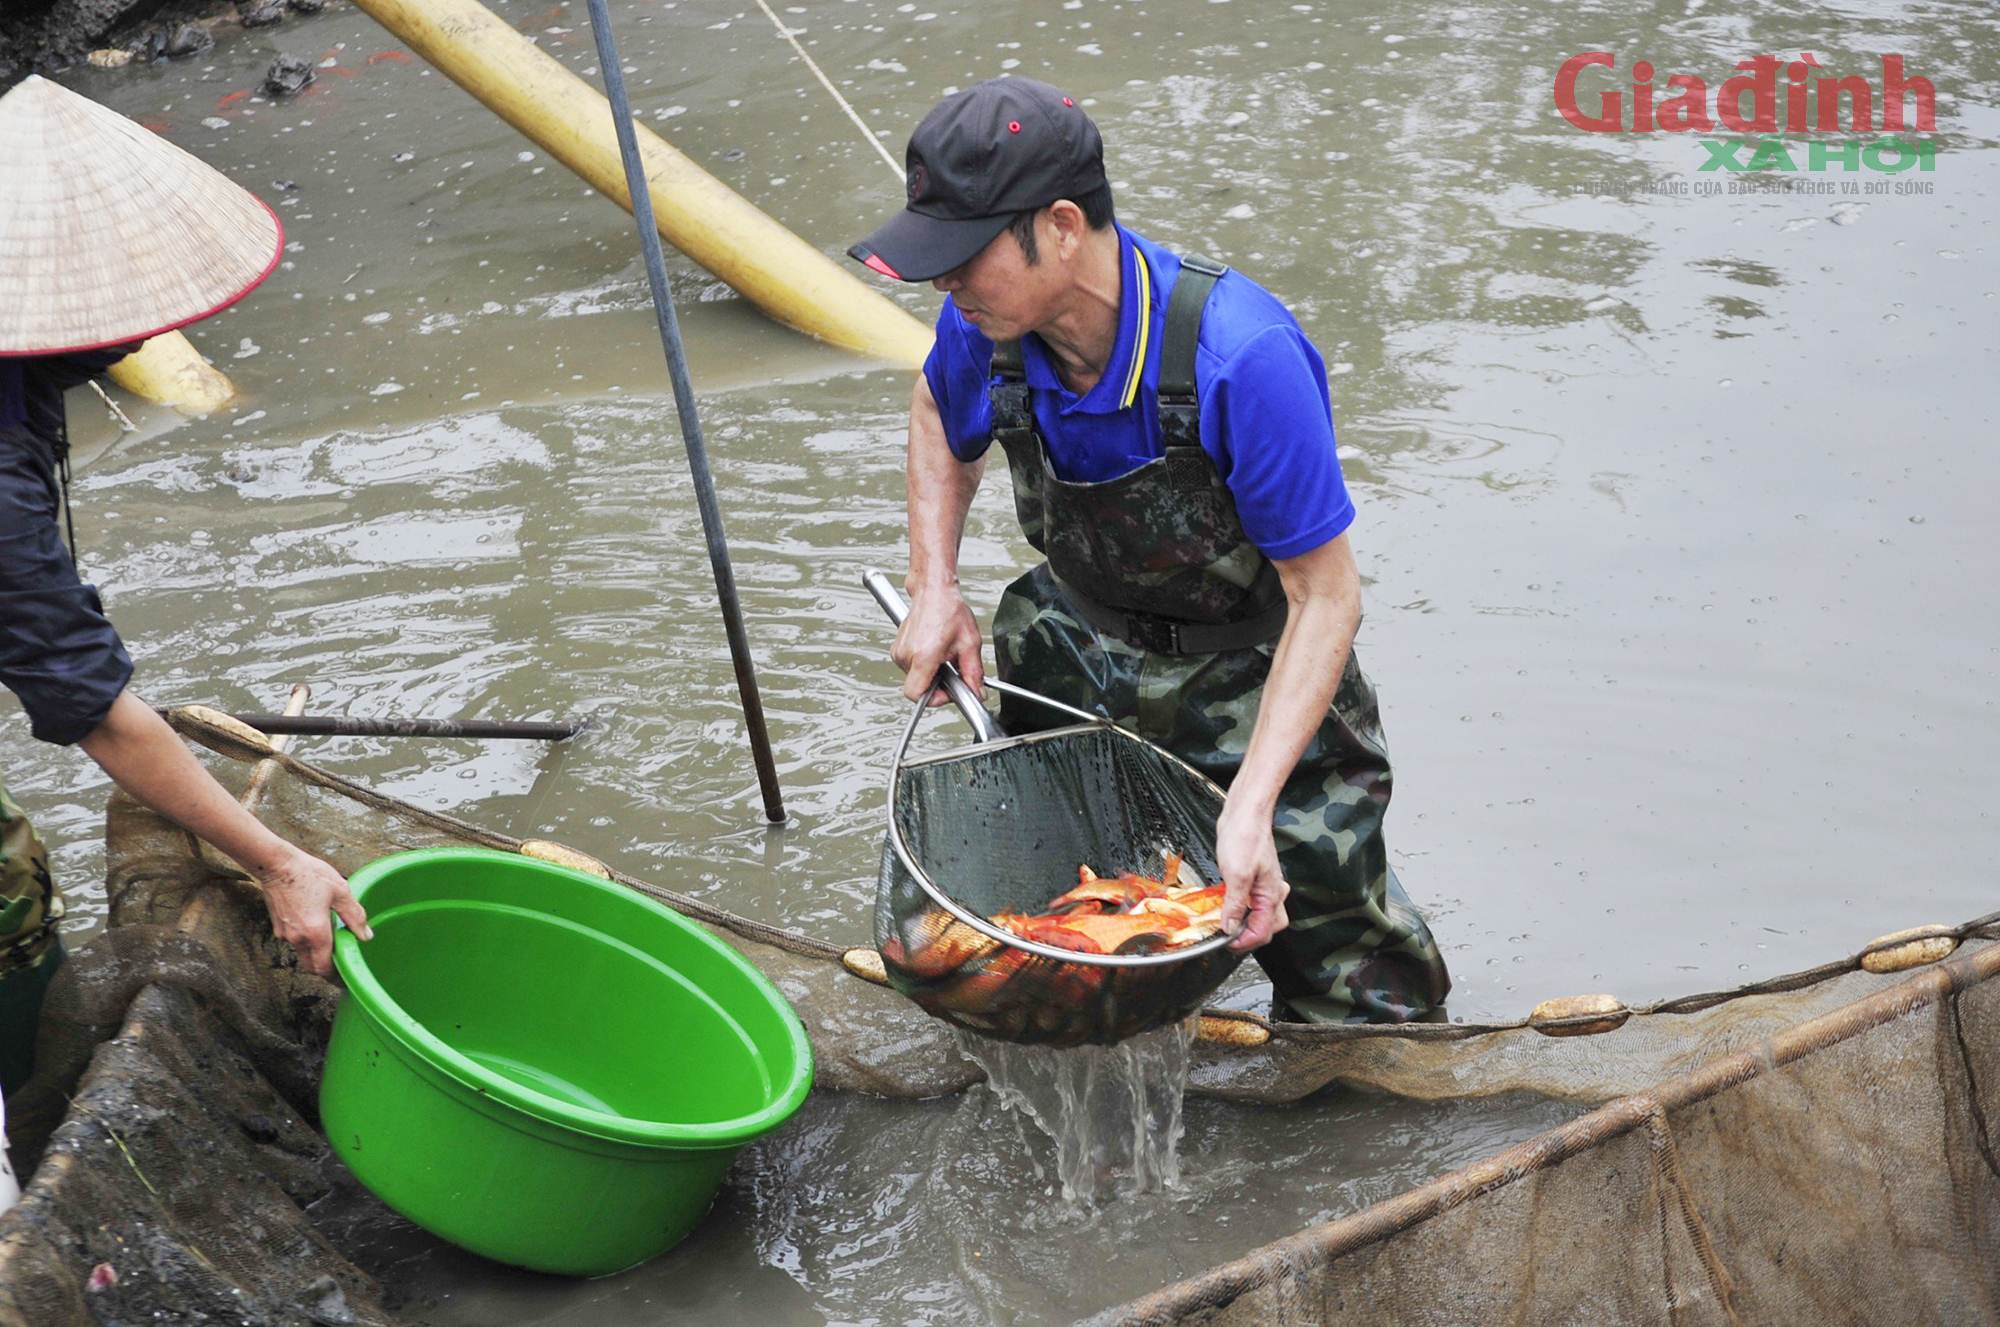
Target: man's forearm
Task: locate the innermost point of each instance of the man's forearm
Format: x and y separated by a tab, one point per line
941	488
145	758
1325	610
1323	595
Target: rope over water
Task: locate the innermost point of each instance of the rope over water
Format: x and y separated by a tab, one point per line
827	83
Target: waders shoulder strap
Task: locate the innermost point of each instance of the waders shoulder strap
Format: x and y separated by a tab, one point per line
1013	415
1184	309
1188	467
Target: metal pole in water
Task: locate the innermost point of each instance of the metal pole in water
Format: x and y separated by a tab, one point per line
697	450
343	725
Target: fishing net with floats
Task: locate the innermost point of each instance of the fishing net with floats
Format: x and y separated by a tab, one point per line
1814	1148
1001	828
1840	1173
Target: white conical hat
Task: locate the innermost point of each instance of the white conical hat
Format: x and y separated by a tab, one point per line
109	233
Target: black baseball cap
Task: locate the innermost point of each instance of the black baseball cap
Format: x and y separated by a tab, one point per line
981	157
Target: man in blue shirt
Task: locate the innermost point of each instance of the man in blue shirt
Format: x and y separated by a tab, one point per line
1170	439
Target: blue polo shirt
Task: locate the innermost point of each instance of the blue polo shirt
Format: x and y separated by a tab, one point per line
1266	420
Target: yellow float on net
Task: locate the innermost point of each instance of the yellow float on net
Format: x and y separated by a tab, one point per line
1923	944
1579	1015
865	964
561	854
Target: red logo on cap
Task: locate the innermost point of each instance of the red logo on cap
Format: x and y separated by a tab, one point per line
919	177
1013	126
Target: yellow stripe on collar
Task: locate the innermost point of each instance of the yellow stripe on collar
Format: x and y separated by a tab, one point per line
1131	392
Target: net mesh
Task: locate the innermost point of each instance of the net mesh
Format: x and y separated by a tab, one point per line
1841	1172
1813	1148
1004	828
170	1129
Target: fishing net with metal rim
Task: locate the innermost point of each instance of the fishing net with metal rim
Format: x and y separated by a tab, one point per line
1001	829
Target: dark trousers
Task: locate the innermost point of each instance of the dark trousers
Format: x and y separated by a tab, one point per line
21	994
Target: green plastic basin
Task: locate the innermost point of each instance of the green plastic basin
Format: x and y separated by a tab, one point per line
546	1068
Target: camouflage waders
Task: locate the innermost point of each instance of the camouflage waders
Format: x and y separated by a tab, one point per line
30	948
1155	610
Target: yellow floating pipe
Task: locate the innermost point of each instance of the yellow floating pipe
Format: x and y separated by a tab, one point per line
168	370
697	214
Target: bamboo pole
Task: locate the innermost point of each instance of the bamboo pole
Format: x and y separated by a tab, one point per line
168	370
261	775
266	770
699	215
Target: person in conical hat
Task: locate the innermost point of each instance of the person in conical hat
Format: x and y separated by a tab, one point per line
108	235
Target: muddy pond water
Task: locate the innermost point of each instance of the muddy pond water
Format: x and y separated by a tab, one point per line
1676	517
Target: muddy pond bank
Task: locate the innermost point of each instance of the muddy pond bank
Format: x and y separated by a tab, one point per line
49	34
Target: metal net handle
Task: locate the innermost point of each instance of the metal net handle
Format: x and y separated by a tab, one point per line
984	728
937	895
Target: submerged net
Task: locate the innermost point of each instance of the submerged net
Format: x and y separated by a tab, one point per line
1842	1172
1002	829
178	1068
1820	1155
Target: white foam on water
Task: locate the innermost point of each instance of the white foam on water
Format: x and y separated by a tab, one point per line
1113	1112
